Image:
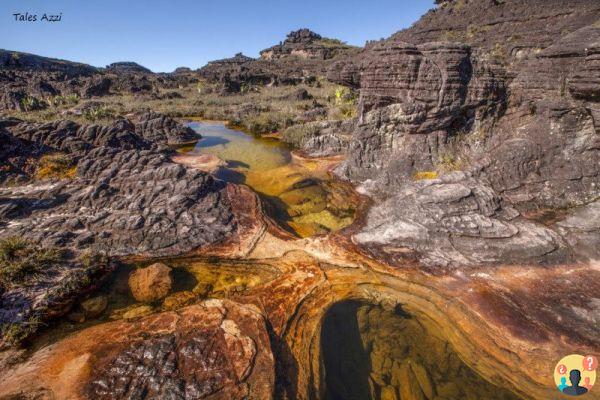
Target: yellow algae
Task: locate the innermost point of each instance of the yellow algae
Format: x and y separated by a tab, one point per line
308	205
215	279
299	193
425	175
55	166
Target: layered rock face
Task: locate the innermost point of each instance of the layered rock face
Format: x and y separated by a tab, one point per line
456	220
514	28
215	349
143	131
412	98
507	93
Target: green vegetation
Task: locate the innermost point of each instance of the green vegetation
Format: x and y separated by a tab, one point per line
59	101
449	161
97	113
297	135
256	109
345	103
473	31
263	123
89	258
30	103
345	96
452	36
499	53
55	166
327	42
21	261
15	333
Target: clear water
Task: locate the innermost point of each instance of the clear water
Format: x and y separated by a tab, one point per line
241	151
300	194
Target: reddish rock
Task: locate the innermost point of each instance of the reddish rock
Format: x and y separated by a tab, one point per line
151	283
216	349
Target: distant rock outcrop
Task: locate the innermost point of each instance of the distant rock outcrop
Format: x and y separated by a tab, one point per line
302	57
29	82
305	43
31	62
127	67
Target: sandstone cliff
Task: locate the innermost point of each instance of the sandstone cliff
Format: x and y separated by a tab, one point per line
504	90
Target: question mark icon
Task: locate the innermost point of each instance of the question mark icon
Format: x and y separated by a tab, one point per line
561	369
590	363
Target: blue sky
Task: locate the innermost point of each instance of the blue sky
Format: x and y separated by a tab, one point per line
163	35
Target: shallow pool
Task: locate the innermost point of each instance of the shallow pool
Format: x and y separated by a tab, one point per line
299	194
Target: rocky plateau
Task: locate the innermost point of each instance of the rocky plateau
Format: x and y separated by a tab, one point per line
128	270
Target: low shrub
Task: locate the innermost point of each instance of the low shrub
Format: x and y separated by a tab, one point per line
30	103
297	135
15	333
449	161
56	101
96	113
72	98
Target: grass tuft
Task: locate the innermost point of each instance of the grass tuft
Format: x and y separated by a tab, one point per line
21	261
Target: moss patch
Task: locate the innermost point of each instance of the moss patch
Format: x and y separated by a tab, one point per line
55	166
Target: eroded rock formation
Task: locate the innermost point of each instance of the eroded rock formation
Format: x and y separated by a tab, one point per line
215	349
483	276
519	114
127	197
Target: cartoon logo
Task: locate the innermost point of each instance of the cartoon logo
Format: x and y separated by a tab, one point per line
575	375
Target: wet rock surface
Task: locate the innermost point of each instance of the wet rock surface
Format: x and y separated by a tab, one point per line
123	197
215	349
399	357
504	91
39	285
